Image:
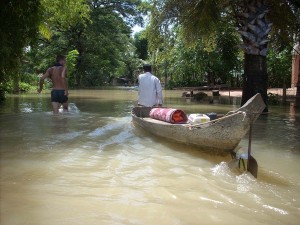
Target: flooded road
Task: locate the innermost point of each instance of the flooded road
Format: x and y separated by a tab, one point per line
92	166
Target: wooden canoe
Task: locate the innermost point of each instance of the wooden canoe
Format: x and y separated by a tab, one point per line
220	136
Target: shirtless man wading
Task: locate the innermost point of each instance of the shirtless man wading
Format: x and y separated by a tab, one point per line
59	93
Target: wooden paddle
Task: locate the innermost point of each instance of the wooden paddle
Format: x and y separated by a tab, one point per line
237	159
252	164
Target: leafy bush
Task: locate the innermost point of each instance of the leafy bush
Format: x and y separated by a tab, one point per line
25	87
71	65
273	99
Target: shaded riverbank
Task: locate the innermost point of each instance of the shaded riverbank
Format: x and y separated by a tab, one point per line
276	91
291	92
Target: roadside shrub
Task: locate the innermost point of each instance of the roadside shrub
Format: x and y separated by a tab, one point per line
273	99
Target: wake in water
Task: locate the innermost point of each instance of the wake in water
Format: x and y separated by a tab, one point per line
72	109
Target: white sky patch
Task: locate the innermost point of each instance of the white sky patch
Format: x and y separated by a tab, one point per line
136	29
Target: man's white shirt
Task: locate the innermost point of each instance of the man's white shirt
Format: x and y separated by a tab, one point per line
150	91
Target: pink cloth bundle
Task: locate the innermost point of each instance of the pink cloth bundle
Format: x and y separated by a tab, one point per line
169	115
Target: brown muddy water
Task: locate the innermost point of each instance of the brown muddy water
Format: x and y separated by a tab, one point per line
91	166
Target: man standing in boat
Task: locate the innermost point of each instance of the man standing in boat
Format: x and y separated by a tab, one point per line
150	90
58	76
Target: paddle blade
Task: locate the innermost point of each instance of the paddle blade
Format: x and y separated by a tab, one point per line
252	166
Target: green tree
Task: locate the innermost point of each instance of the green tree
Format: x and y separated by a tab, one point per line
107	43
64	23
202	62
19	25
103	44
253	20
98	30
71	65
279	67
141	44
101	36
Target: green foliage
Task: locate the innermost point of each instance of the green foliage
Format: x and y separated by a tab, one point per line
102	47
19	26
59	29
286	29
94	35
155	30
29	78
202	63
23	87
71	65
64	15
279	67
189	44
129	10
226	52
201	20
141	44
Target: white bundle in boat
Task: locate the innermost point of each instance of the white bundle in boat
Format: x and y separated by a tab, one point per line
198	118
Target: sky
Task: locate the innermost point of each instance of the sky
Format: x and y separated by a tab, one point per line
137	28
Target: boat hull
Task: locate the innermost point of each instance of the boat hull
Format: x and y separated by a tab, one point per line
220	136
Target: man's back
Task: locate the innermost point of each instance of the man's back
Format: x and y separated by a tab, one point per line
57	75
150	91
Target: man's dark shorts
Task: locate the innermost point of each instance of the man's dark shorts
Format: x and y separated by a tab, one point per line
58	96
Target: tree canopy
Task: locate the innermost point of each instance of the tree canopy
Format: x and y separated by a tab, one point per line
18	25
99	32
255	21
188	42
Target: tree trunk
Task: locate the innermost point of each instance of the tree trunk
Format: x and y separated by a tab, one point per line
16	81
298	95
2	89
255	78
284	92
166	74
2	95
254	29
78	72
298	91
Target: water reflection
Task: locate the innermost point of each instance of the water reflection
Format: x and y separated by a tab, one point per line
292	112
95	167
